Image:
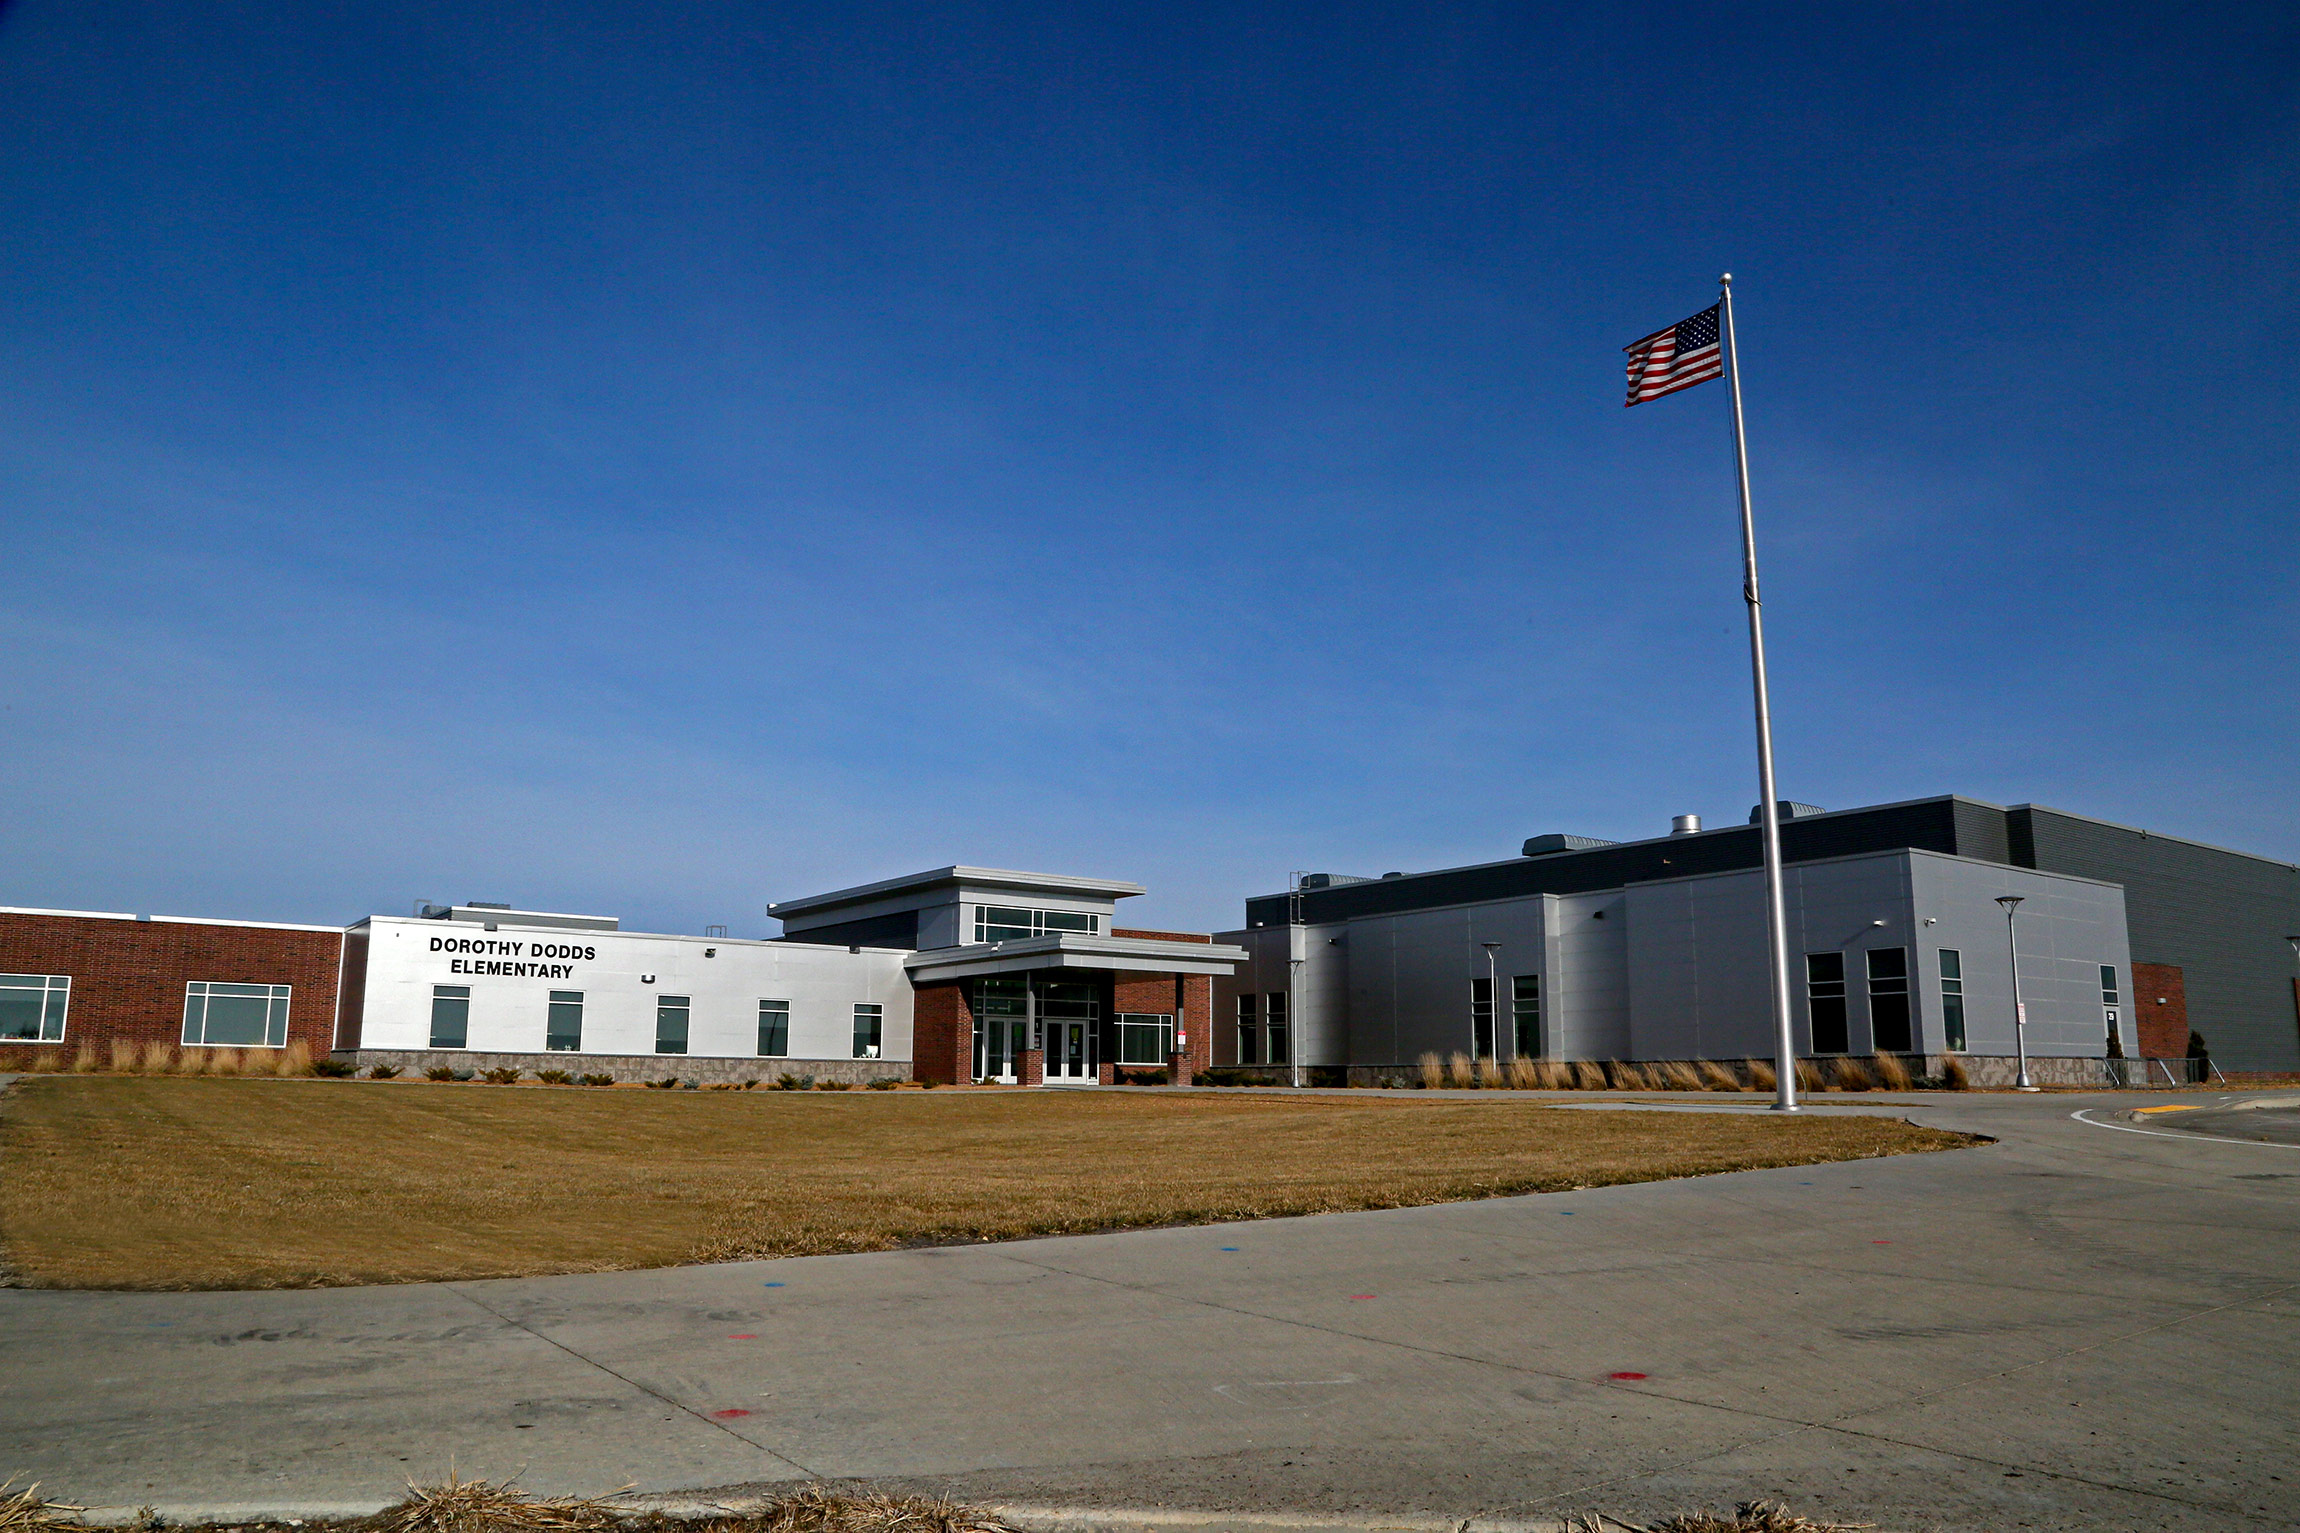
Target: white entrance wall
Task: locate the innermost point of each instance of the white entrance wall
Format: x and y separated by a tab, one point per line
513	970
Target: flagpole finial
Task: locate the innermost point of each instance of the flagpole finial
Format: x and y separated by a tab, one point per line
1726	280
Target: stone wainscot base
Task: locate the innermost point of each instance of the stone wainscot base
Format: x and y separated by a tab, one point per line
703	1069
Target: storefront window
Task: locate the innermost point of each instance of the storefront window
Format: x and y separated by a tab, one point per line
235	1016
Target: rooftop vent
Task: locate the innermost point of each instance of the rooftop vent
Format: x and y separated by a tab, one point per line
485	905
1685	825
1788	810
1331	880
1542	846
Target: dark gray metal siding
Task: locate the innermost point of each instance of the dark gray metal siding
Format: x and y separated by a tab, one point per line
1933	825
2221	916
896	929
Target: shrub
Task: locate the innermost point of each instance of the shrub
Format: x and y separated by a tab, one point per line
156	1057
193	1062
928	1085
1892	1075
47	1061
123	1055
1808	1076
885	1082
667	1083
1715	1077
1325	1075
1524	1075
555	1077
833	1085
226	1062
294	1060
343	1070
1761	1076
501	1075
789	1082
1143	1077
1677	1075
1432	1071
1491	1072
1587	1076
1954	1076
724	1086
1626	1076
440	1073
84	1062
383	1072
598	1080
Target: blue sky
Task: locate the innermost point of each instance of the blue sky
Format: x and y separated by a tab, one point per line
663	459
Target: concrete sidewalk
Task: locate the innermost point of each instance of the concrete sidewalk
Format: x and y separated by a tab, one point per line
2074	1328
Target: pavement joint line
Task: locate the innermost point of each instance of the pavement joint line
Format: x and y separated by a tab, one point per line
2159	1133
1042	1519
1793	1426
653	1394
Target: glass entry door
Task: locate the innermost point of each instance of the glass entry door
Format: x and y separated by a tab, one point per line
1068	1059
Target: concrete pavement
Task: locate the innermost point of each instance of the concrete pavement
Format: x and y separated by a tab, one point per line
2077	1327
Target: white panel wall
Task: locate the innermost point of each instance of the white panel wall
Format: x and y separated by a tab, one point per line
509	1012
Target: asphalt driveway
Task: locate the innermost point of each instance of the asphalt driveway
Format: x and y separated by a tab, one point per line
2088	1324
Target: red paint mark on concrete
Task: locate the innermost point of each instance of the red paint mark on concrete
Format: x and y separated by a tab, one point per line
1626	1377
1361	1296
730	1415
742	1336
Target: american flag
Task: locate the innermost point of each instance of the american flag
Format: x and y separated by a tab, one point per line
1676	358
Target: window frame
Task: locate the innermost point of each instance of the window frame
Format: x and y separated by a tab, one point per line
1826	997
1949	968
1249	1028
54	1006
1524	1006
665	1006
1160	1024
1277	1028
562	1000
876	1015
1888	995
278	1004
1032	922
461	995
782	1028
1481	1017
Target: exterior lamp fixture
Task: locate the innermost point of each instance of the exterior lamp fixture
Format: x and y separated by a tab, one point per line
2021	1082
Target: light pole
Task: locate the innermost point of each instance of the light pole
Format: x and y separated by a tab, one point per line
2021	1082
1492	1004
2295	941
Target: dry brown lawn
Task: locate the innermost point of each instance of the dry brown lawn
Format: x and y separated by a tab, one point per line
164	1183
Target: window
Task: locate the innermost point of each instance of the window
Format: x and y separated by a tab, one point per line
32	1007
1525	1014
774	1028
450	1016
2111	1010
1274	1030
1953	999
867	1019
235	1016
1481	1017
1889	1000
671	1024
1005	923
1144	1038
2108	988
564	1032
1825	1001
1249	1031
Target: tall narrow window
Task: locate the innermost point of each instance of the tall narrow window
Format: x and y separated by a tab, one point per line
235	1016
867	1020
32	1007
1825	1001
564	1033
1481	1017
1525	1016
1953	999
1249	1031
450	1016
1280	1046
671	1024
2111	1010
1889	1000
774	1029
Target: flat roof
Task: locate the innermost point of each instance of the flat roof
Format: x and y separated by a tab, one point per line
958	875
124	915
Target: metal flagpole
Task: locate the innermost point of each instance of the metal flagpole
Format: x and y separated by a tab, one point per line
1769	808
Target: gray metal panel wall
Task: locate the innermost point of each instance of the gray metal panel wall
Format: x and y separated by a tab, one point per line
2220	916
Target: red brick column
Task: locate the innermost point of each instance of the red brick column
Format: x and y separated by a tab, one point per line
1030	1067
942	1035
1194	1015
2160	1010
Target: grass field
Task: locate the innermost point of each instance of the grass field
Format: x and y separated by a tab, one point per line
161	1183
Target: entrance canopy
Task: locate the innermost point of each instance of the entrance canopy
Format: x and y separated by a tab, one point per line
1071	950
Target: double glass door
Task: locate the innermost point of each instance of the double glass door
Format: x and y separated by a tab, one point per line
1069	1060
1062	1016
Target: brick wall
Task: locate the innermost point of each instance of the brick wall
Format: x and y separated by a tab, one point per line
942	1035
2160	1010
128	976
